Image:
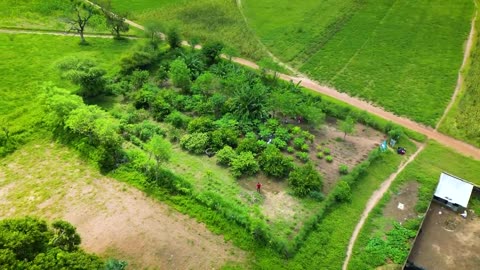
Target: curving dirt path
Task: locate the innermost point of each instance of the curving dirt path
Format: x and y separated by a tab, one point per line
374	199
460	80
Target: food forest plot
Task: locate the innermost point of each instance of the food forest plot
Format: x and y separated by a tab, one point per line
48	180
402	55
290	29
28	62
205	20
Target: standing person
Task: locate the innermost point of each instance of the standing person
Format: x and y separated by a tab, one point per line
259	186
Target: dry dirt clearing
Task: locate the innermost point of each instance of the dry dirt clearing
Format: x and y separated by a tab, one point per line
49	181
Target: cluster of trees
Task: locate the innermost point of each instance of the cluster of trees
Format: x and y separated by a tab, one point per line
29	243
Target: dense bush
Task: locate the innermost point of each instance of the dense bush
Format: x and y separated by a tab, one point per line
274	163
305	179
177	119
249	144
196	143
161	108
224	136
342	192
179	73
244	164
226	155
201	124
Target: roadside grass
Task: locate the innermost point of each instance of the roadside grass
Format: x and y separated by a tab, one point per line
463	119
28	61
403	56
425	170
46	15
205	20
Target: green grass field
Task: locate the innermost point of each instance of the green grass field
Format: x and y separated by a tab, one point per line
206	20
463	120
28	61
425	170
402	55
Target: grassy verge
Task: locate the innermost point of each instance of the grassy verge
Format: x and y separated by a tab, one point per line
462	119
401	55
425	170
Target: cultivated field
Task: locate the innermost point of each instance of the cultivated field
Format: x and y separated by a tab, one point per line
401	55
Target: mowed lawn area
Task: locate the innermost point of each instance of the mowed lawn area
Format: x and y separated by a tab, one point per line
402	55
28	61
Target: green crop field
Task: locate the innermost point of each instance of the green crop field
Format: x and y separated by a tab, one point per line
425	170
402	55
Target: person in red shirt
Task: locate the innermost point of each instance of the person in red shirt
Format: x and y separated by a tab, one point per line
259	186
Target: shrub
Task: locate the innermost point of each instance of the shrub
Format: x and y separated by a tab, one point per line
319	147
298	142
196	143
201	124
305	148
274	163
307	136
327	151
244	164
177	119
226	155
161	108
320	155
342	192
249	145
282	134
296	130
279	143
146	130
343	169
316	195
290	150
304	180
180	74
303	156
329	159
224	136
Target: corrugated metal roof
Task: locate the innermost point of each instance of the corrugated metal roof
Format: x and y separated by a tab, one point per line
454	190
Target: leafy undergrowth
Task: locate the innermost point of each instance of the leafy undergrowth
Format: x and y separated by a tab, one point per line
425	170
401	55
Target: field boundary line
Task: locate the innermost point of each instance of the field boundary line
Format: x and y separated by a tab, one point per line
373	201
466	58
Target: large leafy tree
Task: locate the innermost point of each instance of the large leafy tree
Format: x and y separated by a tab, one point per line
85	73
160	149
250	102
179	73
80	13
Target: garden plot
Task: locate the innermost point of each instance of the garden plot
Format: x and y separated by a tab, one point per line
351	151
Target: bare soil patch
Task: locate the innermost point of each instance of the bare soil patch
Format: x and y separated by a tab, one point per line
408	197
113	218
351	151
447	240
